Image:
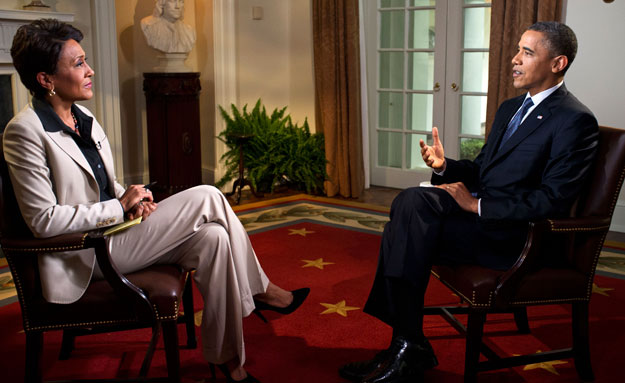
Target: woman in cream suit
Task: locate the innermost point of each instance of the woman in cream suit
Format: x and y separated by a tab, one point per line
61	166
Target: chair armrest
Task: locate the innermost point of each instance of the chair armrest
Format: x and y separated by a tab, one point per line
79	241
578	224
530	256
64	242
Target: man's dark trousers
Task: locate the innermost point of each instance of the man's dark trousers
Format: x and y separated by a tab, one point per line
428	227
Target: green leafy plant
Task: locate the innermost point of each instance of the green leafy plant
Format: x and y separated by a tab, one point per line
470	148
278	152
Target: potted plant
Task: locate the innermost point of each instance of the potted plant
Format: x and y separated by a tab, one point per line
277	151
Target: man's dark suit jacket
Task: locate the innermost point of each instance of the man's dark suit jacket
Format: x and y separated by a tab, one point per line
537	173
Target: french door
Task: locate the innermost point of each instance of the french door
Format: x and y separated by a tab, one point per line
427	65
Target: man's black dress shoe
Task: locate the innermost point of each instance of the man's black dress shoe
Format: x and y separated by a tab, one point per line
403	361
357	371
299	296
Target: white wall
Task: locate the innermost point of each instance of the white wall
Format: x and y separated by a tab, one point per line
274	57
595	76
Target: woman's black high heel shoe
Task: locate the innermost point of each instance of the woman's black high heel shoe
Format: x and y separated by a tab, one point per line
299	296
248	379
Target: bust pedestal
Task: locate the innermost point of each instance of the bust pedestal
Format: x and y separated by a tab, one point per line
172	62
173	124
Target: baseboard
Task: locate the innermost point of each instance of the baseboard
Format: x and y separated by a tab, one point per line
618	219
208	176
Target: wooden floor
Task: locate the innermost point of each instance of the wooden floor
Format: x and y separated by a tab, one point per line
376	195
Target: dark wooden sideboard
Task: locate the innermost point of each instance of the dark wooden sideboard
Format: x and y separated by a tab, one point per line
173	124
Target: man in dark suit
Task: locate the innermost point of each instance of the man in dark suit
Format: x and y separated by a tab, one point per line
538	154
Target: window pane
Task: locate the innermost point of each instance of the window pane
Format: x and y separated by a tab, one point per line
413	150
391	108
420	70
475	72
392	70
421	3
392	29
476	27
391	3
389	149
419	112
473	115
477	1
421	29
470	148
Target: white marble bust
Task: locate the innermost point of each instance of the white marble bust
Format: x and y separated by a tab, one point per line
164	29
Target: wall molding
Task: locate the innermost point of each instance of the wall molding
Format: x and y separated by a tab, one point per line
12	19
224	32
107	80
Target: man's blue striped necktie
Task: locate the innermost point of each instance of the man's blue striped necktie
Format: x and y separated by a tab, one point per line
516	120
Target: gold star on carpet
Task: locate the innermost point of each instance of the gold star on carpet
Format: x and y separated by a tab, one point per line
340	308
301	232
600	290
549	366
318	263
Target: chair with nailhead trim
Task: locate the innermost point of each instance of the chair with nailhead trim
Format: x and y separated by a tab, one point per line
577	241
149	298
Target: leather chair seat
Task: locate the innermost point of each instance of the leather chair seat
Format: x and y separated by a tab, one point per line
550	285
162	284
474	284
477	285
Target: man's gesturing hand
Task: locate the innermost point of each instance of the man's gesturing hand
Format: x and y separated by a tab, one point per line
433	156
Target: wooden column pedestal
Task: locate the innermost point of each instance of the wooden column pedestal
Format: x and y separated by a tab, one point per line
173	124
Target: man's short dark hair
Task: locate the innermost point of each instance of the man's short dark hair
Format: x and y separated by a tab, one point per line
560	39
37	47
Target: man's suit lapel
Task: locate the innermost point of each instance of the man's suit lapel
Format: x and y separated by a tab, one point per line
533	121
499	130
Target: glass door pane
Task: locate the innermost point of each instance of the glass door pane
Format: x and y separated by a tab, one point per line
475	45
406	61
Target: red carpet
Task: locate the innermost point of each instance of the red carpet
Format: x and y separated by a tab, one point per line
310	344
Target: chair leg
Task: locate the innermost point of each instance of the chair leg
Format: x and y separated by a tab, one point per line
520	318
67	345
189	312
147	360
475	330
34	349
170	339
581	342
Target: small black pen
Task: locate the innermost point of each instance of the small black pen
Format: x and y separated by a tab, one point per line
150	185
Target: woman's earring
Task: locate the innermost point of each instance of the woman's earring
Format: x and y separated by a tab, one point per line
51	92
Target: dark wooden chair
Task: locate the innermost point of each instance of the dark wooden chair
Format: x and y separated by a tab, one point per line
151	297
530	282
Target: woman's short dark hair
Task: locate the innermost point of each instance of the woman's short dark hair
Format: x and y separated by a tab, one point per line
560	39
37	47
